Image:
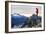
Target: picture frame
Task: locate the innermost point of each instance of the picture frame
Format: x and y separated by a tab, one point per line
17	6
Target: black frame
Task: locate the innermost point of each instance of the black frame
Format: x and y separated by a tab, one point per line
6	16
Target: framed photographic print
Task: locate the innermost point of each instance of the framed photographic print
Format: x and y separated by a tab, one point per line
24	16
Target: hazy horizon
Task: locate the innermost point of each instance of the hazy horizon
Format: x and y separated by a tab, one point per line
25	10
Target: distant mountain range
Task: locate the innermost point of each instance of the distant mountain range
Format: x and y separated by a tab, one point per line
16	14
